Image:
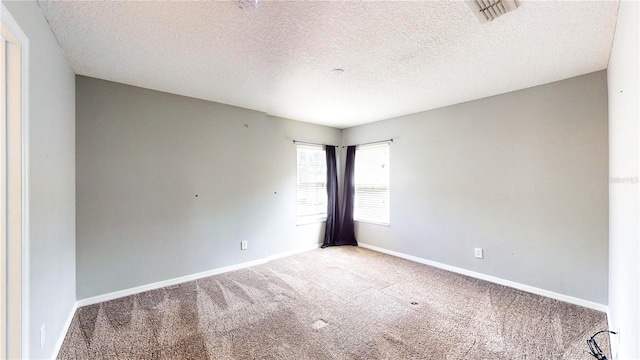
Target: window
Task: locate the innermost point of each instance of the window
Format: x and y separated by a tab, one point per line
312	184
371	178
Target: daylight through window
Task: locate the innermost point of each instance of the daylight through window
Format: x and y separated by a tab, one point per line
311	184
371	180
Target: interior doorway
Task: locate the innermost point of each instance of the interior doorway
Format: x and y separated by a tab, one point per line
14	201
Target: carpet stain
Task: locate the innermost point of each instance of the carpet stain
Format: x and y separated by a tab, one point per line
319	324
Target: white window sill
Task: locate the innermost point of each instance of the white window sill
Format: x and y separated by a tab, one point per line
373	222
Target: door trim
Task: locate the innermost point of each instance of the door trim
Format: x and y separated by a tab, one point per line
23	40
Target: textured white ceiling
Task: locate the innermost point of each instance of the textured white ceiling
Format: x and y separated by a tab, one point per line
399	57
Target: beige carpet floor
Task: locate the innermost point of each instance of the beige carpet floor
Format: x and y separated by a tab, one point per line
335	303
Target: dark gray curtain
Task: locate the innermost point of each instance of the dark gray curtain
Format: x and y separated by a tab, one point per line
347	233
333	215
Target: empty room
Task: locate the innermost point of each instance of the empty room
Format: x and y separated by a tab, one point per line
266	179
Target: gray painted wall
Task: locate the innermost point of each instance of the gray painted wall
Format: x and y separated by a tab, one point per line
143	156
624	200
522	175
52	180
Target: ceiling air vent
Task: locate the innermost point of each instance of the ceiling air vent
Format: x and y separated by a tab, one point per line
488	10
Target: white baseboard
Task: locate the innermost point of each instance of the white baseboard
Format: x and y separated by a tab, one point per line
165	283
293	252
65	329
493	279
183	279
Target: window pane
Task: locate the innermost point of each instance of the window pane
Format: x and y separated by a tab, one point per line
371	179
311	182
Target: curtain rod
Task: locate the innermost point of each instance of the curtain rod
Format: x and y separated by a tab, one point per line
373	142
310	143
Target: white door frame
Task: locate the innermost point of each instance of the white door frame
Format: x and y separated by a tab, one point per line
17	165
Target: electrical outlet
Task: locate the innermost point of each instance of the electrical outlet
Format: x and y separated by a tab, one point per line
244	245
479	253
42	335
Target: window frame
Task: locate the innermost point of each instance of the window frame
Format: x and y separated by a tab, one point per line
356	216
316	217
